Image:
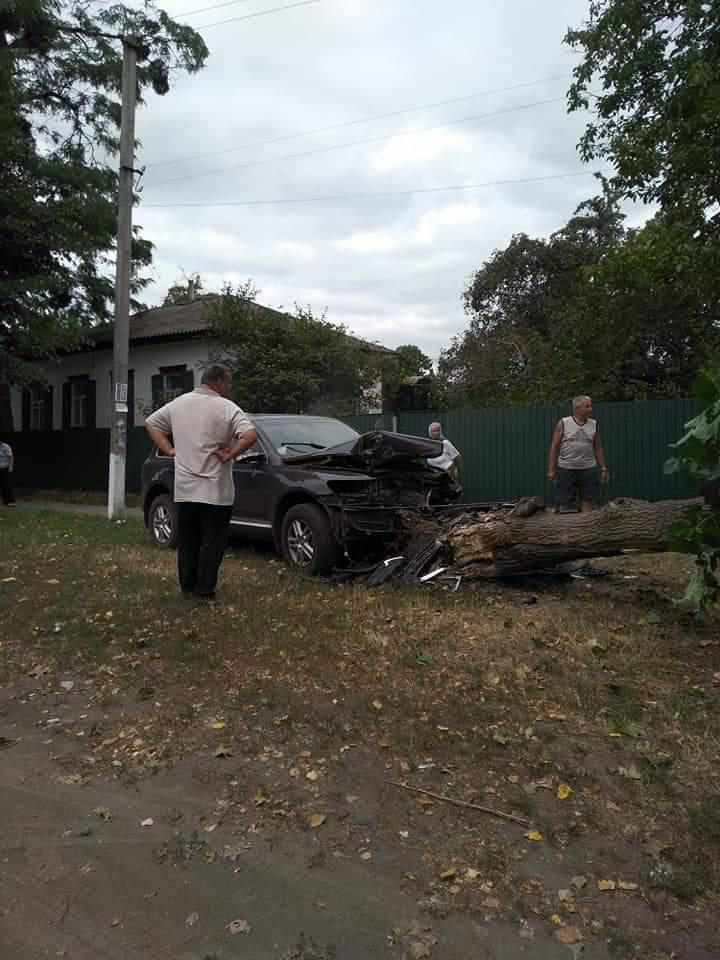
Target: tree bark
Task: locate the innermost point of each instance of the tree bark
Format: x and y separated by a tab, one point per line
498	545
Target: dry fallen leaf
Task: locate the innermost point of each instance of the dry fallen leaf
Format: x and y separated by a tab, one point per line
312	775
568	935
631	772
377	705
217	725
606	885
534	835
448	873
626	885
316	820
564	791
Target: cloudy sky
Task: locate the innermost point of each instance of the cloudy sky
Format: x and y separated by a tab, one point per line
349	117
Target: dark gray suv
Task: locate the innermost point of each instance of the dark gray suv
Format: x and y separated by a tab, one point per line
320	490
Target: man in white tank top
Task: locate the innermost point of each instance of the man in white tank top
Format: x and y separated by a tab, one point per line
575	455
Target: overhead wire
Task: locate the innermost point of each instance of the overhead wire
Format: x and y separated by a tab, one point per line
355	143
215	6
260	13
334	198
356	122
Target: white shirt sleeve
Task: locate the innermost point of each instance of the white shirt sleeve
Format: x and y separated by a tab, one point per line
160	419
240	423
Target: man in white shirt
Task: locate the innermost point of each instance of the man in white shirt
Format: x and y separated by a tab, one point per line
575	454
204	430
6	468
450	456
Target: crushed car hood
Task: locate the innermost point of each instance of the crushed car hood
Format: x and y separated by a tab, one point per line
376	452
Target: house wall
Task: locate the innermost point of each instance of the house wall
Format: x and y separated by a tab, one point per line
145	360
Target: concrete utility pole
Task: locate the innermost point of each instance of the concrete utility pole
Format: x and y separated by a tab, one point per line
118	436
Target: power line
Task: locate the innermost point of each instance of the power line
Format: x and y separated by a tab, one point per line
260	13
352	123
357	143
371	196
215	6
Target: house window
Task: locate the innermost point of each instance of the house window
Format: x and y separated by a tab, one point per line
170	383
78	404
173	384
37	408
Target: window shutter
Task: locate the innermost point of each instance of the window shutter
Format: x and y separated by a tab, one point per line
157	389
26	409
48	409
90	404
131	399
189	381
67	399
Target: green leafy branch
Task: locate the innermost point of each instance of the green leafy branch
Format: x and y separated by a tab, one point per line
698	533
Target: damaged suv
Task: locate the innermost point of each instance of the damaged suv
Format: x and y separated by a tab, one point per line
322	492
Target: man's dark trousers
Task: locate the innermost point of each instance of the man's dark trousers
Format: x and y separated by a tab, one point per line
202	537
6	486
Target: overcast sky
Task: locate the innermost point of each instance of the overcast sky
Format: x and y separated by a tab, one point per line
391	267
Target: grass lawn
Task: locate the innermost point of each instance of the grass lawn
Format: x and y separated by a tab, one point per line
587	709
85	497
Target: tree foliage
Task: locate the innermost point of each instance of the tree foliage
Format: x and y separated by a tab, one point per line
60	80
650	71
698	453
185	290
594	308
295	363
412	362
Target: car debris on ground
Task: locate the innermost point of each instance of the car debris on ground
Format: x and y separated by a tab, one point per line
422	553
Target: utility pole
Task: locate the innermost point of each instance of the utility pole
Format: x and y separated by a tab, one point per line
121	335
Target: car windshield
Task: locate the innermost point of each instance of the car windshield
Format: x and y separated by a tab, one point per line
296	435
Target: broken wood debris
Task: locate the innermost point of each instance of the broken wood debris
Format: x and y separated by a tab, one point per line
444	546
461	803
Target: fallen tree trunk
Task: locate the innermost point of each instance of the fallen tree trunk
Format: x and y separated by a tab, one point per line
502	544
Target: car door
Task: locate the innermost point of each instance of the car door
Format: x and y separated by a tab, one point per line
254	485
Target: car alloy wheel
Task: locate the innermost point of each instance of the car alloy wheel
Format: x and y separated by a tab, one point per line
300	543
162	524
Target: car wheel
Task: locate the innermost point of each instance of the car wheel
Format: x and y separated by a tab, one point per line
307	541
162	522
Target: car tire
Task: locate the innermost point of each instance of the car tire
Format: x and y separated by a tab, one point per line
162	522
306	540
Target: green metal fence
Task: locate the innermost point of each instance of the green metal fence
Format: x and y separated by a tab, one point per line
505	449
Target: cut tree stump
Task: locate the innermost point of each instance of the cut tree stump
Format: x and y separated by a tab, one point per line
496	545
